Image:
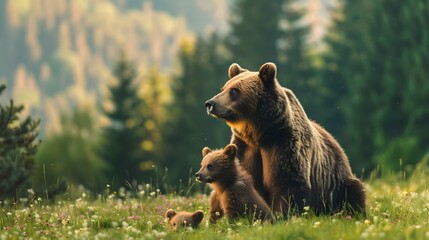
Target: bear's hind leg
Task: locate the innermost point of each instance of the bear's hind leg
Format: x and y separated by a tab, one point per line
353	196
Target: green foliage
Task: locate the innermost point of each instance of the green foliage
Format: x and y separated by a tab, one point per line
296	69
18	146
396	155
155	94
369	88
376	70
69	157
280	37
255	32
121	139
189	129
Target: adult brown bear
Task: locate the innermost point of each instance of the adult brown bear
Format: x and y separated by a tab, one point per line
294	161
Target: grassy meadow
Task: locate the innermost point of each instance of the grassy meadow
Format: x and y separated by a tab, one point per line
397	209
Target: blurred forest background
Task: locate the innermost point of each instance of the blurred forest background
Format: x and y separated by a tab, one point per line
117	87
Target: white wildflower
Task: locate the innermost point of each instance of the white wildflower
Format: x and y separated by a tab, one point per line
125	224
316	224
149	224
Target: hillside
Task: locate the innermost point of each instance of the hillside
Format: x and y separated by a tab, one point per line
59	53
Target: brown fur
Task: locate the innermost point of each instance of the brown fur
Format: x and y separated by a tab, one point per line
233	192
180	220
293	160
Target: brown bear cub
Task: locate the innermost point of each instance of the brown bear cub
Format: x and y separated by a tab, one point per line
233	192
180	220
294	161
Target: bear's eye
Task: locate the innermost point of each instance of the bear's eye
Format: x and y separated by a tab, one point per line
234	93
209	167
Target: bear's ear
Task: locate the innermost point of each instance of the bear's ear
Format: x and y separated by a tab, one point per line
198	216
268	73
230	151
234	70
206	151
170	213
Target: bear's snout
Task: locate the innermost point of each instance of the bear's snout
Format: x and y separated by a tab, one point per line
202	179
210	106
199	177
215	107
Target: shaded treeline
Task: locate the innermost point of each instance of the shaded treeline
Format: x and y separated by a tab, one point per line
366	82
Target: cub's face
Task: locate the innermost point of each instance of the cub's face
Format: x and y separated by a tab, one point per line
239	97
178	220
215	163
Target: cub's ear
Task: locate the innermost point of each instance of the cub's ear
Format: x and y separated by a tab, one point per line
206	151
234	70
170	213
230	150
198	216
268	73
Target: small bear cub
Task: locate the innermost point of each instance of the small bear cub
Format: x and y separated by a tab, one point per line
233	192
180	220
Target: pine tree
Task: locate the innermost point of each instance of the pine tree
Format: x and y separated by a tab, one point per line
346	43
295	68
275	31
203	72
121	141
255	32
155	92
402	65
380	58
18	146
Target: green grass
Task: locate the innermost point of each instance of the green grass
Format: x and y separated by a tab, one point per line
397	209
